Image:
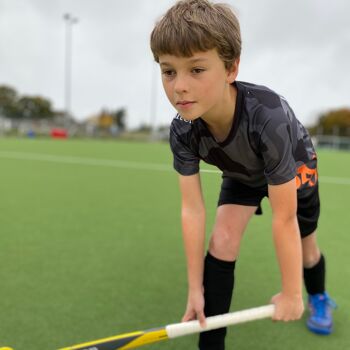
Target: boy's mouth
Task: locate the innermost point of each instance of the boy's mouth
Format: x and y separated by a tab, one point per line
184	104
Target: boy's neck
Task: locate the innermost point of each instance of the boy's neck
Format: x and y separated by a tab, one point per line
220	120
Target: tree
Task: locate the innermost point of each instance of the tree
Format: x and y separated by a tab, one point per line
105	120
35	107
29	107
8	102
333	122
108	119
119	119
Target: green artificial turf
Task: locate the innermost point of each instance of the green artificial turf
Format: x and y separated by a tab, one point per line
91	246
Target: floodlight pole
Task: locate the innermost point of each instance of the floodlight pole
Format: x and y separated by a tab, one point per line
153	109
69	21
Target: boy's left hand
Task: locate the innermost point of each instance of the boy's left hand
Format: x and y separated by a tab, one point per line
288	308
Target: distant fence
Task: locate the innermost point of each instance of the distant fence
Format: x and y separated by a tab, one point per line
332	141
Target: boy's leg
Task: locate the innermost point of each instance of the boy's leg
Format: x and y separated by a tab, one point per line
231	221
320	318
314	265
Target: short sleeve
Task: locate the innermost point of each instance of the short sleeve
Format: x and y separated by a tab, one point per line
276	147
186	161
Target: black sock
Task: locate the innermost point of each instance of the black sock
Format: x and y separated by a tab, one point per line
314	278
218	284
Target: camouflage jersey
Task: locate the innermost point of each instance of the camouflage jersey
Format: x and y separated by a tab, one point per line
266	143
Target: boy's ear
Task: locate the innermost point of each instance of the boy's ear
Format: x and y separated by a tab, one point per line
232	72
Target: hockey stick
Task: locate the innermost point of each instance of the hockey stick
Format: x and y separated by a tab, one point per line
136	339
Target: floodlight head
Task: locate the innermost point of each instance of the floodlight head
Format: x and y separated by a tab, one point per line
72	20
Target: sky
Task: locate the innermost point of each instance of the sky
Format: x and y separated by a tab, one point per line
299	48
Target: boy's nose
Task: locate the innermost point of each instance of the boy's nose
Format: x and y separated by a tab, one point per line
181	84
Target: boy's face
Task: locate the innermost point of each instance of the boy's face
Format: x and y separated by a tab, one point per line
196	86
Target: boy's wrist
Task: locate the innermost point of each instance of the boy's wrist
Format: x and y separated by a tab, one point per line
196	289
293	294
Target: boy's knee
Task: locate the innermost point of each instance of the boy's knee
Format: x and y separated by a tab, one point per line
224	244
311	251
311	257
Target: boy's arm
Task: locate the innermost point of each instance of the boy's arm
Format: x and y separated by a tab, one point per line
283	199
193	227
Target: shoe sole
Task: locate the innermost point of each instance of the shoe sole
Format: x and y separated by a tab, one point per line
321	331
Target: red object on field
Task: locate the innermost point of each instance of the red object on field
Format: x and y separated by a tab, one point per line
57	133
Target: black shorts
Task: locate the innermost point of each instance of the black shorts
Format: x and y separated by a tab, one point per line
308	212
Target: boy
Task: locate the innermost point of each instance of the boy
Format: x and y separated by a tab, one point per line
253	136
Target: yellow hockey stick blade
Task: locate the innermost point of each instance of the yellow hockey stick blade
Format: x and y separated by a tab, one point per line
136	339
123	341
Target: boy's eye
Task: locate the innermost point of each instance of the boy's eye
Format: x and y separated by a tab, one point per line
168	72
197	70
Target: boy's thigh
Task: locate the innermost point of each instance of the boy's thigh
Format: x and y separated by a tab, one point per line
232	219
230	223
236	205
235	192
308	210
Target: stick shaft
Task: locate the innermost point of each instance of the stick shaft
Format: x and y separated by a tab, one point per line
215	322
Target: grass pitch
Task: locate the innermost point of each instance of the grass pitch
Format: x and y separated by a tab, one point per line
91	246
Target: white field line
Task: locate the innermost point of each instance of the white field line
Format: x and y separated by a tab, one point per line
335	180
126	164
84	161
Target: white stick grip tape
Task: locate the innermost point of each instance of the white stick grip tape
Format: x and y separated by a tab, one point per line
215	322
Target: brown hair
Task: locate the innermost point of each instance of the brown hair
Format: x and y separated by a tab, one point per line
197	25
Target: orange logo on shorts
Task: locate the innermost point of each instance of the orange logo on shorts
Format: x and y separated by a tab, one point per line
306	176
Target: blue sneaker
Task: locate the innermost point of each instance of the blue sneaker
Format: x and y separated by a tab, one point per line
320	320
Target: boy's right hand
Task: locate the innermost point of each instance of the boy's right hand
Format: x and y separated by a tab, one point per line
195	308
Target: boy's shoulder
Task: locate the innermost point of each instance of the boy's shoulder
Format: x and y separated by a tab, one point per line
262	104
260	93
